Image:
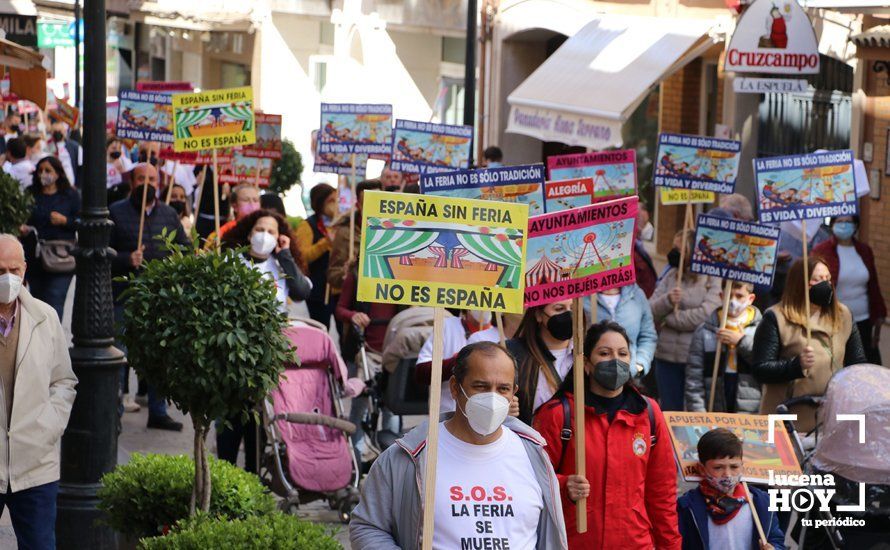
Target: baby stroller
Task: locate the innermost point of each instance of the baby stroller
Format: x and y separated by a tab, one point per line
306	453
855	390
393	387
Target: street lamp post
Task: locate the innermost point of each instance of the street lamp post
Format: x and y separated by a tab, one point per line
89	446
470	69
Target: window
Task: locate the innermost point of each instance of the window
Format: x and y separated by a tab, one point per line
326	33
454	50
233	75
451	101
318	71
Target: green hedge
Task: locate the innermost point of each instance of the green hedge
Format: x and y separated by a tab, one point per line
150	493
273	532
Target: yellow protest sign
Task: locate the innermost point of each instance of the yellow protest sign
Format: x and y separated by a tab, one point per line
434	251
213	119
671	196
760	456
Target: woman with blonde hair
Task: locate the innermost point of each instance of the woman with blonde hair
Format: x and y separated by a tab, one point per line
678	309
787	362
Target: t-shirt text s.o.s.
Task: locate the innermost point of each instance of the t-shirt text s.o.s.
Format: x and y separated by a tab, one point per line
487	496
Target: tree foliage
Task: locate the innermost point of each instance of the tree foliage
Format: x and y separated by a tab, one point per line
15	204
287	170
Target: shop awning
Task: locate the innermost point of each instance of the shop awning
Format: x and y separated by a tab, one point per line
584	92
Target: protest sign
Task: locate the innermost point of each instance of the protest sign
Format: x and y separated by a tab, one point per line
244	169
66	113
424	147
697	162
761	457
336	163
682	196
800	187
213	119
163	86
268	138
734	249
565	194
358	128
442	252
614	173
144	116
518	184
580	251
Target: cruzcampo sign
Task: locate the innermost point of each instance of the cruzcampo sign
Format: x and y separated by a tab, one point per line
775	38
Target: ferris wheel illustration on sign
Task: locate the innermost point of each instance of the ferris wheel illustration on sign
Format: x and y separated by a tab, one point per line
807	187
579	253
738	250
709	164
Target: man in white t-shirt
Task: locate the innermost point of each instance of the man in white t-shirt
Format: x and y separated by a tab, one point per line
495	487
17	163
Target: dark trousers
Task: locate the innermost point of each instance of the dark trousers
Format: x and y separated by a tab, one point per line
320	311
33	514
866	331
51	288
228	440
671	378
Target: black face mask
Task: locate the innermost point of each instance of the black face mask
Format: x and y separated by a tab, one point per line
115	155
153	161
392	188
58	136
822	294
611	374
560	326
673	257
179	206
136	196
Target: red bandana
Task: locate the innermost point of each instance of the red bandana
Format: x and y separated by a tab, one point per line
722	507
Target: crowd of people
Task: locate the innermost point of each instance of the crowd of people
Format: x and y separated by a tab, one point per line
508	390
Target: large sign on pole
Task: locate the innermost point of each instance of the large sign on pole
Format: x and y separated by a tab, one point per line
773	38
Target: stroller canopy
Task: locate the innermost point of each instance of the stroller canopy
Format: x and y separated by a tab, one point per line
859	389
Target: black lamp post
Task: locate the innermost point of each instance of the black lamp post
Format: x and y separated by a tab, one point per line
470	69
89	446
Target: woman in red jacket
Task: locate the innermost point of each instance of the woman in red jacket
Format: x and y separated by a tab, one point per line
852	266
631	481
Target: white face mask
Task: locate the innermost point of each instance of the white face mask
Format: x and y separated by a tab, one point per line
10	286
736	307
262	243
47	178
485	411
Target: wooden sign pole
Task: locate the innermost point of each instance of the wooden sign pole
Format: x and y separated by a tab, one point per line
216	196
259	166
171	181
142	216
686	220
352	213
727	291
757	523
432	439
806	274
499	320
580	386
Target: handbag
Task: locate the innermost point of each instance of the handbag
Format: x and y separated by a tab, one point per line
56	256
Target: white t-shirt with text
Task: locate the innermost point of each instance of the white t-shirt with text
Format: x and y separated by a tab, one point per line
487	496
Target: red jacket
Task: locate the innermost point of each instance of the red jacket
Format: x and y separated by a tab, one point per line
828	252
633	497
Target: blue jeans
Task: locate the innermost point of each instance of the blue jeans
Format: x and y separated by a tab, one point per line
33	514
50	288
157	405
671	379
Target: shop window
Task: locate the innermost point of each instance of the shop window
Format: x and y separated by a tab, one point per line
640	133
451	106
233	75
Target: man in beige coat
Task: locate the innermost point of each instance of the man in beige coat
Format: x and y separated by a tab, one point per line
36	394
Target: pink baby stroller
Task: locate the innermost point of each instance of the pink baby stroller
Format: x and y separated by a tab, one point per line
307	455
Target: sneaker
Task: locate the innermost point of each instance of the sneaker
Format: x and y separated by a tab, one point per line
142	399
164	423
131	406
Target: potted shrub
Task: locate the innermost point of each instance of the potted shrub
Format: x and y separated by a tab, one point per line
15	204
149	494
273	532
206	332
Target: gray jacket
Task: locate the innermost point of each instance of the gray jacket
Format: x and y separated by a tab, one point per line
700	366
390	513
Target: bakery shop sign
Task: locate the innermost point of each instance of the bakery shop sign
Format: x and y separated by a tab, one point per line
774	37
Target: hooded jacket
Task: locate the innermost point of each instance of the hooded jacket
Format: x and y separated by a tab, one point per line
701	365
701	296
389	515
634	314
